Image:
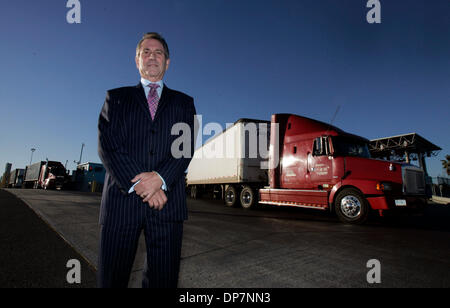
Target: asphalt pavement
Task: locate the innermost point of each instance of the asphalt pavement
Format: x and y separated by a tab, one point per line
32	254
228	247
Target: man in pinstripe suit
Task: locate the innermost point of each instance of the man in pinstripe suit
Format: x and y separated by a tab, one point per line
144	185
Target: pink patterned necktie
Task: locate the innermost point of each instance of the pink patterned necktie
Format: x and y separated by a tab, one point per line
153	99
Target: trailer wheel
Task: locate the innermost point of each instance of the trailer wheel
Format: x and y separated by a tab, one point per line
351	206
194	192
231	196
248	197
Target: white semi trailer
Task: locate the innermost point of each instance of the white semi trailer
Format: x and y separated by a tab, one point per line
232	165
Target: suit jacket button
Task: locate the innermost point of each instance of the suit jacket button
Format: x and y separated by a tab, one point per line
152	152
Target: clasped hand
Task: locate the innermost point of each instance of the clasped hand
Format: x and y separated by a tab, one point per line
149	189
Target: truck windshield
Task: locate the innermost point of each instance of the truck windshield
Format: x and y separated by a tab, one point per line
345	146
56	171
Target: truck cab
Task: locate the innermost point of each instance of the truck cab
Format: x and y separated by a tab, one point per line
53	176
320	166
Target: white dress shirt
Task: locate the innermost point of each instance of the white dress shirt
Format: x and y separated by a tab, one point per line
145	84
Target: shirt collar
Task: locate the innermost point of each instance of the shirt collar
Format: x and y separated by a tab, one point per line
146	82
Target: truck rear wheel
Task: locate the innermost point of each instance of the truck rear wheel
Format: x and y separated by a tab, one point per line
231	196
351	206
194	192
248	197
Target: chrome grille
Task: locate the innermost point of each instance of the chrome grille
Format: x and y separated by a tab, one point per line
413	180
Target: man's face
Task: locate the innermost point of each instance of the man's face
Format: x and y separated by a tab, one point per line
152	63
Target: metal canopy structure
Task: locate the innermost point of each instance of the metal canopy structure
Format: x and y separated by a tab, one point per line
404	148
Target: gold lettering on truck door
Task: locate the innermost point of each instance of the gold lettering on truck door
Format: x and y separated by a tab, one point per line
321	169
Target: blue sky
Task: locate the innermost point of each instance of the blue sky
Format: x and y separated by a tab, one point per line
237	58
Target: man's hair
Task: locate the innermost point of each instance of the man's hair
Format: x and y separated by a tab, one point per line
155	36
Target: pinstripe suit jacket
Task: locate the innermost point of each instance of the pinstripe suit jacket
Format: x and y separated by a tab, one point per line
130	142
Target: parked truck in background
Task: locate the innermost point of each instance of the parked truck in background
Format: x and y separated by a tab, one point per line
46	175
312	165
16	178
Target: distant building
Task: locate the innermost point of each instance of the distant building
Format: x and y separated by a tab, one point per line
5	178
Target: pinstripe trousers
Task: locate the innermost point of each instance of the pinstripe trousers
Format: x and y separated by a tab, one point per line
118	250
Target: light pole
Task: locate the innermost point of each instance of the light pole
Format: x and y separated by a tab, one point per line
81	154
32	151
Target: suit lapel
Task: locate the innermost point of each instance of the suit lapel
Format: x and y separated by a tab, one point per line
139	96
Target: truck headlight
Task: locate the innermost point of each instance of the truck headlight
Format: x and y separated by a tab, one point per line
384	186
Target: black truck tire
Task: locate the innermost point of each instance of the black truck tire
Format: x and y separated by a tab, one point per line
248	198
231	196
351	206
194	192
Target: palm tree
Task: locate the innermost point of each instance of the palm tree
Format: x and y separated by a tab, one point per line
446	164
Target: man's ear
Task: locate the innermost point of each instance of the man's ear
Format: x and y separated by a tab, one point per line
167	64
136	59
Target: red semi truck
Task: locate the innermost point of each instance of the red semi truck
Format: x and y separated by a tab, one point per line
316	165
324	167
46	175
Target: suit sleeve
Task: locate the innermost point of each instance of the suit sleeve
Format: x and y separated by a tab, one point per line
171	169
111	150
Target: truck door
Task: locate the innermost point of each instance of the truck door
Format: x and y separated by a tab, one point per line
293	173
288	165
319	165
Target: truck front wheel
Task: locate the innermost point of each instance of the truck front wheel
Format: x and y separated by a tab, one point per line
351	206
